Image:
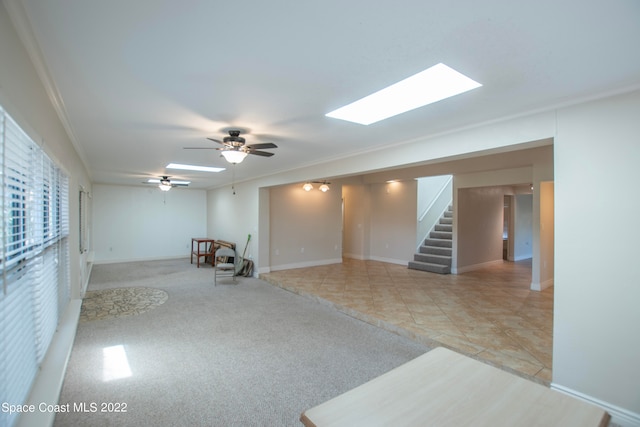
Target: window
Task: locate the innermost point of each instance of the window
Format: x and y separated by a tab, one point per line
34	267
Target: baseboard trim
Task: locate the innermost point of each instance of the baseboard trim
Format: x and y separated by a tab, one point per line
376	258
48	383
118	261
306	264
619	416
355	256
389	260
542	286
467	268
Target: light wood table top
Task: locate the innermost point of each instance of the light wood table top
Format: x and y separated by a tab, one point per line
445	388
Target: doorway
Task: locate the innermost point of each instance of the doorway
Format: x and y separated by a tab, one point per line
507	229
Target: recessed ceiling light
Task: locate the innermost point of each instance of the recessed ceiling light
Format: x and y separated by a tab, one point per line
193	167
426	87
157	181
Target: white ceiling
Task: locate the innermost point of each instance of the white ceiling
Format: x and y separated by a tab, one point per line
136	81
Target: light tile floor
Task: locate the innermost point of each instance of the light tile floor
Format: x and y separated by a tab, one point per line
489	314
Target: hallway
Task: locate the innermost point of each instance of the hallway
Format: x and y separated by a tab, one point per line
489	314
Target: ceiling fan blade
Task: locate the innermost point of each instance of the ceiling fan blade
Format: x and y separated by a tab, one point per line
260	153
262	145
215	140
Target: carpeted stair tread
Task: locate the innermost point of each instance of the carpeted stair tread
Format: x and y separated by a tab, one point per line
441	235
444	227
445	243
435	250
433	259
426	266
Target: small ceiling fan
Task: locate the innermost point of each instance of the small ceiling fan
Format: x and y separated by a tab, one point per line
165	184
234	149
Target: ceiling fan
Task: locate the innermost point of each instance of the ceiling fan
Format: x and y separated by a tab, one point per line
165	184
234	149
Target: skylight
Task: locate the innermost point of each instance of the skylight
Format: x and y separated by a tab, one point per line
431	85
193	167
157	181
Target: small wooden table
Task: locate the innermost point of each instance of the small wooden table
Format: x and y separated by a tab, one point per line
444	388
196	249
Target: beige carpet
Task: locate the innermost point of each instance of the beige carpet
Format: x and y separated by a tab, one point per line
245	355
120	302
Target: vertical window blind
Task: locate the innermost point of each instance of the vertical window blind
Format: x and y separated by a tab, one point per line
34	260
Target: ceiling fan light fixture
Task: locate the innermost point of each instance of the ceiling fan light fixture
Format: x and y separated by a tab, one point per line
307	187
234	156
164	187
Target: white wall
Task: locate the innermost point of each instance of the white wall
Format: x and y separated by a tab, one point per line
393	221
306	226
429	188
597	287
546	235
379	223
479	226
523	227
232	215
142	223
357	221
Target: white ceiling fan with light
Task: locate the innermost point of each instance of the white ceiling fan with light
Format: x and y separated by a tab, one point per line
234	148
165	184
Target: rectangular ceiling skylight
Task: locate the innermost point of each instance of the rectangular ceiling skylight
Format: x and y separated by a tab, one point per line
157	181
426	87
193	167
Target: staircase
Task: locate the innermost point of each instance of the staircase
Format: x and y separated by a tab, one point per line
435	252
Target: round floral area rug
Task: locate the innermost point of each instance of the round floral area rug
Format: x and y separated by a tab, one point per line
120	302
